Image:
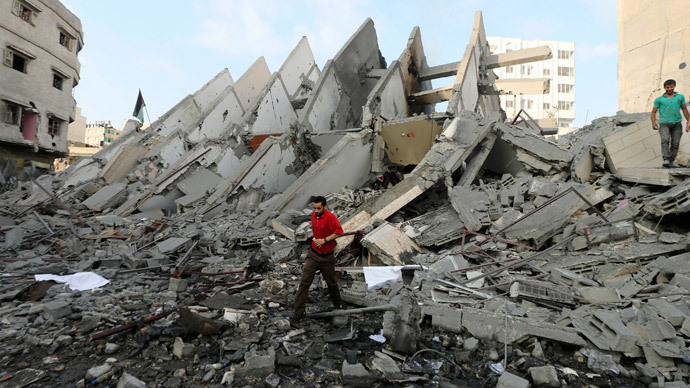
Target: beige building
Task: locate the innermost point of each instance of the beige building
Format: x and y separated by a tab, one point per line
100	134
653	46
557	106
40	42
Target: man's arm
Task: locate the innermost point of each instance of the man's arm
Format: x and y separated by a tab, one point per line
654	124
684	108
321	241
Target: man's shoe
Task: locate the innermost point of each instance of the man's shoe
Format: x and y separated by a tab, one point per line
666	164
674	166
297	320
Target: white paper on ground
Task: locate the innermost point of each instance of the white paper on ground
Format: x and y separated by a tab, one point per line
382	277
80	281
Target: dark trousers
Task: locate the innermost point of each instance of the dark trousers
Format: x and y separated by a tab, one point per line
670	139
325	264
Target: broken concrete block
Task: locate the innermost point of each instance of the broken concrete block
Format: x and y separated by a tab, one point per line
56	309
544	375
97	371
666	310
107	197
389	244
356	375
606	330
599	295
386	365
509	380
129	381
172	244
182	350
571	279
257	364
177	284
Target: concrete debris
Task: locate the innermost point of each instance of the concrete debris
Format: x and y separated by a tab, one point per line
516	256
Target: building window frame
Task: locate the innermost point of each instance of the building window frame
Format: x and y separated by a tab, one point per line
16	59
11	113
65	40
54	126
566	71
58	81
547	72
25	11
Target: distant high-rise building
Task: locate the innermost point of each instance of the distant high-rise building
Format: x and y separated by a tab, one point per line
40	42
559	104
100	134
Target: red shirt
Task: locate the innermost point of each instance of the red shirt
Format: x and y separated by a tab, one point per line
324	226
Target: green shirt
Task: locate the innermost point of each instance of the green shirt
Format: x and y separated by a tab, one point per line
669	108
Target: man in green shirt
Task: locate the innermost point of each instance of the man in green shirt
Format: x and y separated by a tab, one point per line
670	128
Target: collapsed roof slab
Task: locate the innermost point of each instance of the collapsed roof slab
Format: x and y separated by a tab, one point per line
207	94
343	87
347	164
122	163
252	82
456	143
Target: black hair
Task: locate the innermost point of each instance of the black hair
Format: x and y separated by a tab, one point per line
319	199
669	82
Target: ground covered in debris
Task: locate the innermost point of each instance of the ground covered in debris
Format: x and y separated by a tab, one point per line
479	253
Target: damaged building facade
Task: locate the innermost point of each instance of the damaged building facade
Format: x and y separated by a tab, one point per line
479	253
41	40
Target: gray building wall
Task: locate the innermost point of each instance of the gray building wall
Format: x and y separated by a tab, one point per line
38	42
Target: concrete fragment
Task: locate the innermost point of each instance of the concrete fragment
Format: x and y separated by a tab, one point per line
389	244
182	350
606	330
177	284
257	364
129	381
172	244
544	375
107	197
97	371
356	375
386	365
56	309
509	380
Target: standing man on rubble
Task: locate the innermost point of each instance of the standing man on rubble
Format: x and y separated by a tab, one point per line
325	228
670	128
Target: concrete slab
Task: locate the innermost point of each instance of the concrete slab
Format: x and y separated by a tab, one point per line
106	197
252	82
390	245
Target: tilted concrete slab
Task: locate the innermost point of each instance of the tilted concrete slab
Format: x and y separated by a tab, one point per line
657	176
439	71
346	164
106	197
343	87
412	63
517	57
209	93
218	119
272	112
466	95
433	96
252	82
122	163
387	98
408	140
296	66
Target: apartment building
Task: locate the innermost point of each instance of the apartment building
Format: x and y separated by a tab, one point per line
40	40
559	103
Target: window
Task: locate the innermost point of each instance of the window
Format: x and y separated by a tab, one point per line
509	69
565	105
547	106
10	113
509	104
15	60
564	124
529	104
54	125
565	54
566	71
65	40
547	72
565	88
57	81
526	70
23	11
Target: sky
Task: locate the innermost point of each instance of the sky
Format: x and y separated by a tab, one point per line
171	48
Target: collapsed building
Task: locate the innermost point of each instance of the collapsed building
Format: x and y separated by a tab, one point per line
563	260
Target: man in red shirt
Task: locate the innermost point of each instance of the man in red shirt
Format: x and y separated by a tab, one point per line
325	228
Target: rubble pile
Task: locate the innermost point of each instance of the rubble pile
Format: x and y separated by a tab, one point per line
479	253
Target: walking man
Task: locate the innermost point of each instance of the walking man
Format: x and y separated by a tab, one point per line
669	106
326	228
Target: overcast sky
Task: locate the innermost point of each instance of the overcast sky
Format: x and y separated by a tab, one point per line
170	48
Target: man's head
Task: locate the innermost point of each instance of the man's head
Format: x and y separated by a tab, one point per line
669	86
320	205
